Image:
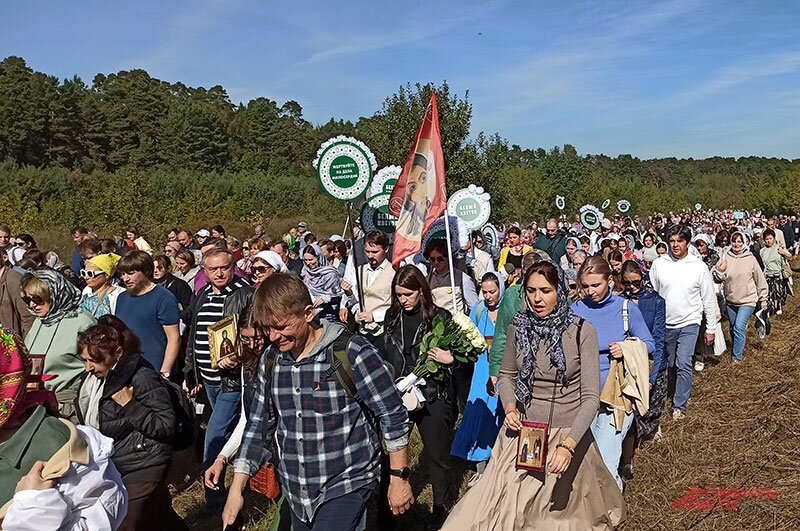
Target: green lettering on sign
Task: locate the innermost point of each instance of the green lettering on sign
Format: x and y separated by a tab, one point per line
344	171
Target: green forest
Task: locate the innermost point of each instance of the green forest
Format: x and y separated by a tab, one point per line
129	149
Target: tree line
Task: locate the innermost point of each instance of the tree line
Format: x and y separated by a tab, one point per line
130	148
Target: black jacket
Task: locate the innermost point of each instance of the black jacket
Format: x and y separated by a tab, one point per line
393	351
182	292
234	304
142	429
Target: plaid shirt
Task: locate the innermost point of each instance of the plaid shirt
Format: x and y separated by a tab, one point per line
327	445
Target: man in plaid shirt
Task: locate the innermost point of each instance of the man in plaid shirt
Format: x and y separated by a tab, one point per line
330	452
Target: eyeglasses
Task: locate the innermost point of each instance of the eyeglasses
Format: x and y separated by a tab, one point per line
253	340
245	248
261	269
632	283
573	285
85	273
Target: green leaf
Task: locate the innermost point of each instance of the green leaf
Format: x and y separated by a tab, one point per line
431	366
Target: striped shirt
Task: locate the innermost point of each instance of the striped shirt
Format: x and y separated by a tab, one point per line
212	311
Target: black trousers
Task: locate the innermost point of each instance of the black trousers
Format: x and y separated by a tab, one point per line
462	381
150	509
435	423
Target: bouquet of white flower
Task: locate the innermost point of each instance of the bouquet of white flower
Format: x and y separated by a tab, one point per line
459	335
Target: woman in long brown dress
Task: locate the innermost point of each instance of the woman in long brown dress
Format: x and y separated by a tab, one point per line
550	373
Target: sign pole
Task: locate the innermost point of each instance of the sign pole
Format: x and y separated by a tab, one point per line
354	257
450	257
346	223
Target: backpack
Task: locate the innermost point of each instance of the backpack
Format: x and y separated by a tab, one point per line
184	416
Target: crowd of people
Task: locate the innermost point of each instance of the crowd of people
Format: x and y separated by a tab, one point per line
592	334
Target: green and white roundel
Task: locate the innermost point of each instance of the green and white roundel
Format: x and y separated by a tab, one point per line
471	205
344	168
375	215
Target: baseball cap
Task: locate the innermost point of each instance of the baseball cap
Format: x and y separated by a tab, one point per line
303	224
606	223
203	233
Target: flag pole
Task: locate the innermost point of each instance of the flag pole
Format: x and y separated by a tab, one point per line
450	258
346	223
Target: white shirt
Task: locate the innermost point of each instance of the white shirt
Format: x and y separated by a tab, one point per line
687	288
87	498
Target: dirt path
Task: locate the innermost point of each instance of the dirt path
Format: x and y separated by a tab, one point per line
742	435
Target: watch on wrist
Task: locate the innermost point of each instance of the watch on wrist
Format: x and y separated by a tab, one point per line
165	374
403	473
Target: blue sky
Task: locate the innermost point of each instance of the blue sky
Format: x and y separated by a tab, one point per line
685	78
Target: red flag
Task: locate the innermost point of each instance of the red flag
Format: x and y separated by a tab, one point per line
420	195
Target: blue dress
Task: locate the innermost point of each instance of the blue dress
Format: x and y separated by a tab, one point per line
483	414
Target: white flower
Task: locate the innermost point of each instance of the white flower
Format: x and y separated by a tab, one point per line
463	321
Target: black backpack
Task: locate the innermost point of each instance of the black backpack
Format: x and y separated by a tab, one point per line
184	416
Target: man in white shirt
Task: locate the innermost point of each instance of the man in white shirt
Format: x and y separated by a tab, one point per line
374	289
687	287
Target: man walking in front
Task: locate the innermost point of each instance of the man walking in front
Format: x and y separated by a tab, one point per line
224	295
328	441
686	285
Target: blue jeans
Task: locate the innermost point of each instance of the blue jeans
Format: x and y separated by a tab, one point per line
739	316
680	343
609	442
225	409
345	513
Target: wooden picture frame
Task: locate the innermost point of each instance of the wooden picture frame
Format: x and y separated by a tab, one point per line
532	446
37	369
222	337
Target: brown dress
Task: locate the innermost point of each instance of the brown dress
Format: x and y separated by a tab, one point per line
585	497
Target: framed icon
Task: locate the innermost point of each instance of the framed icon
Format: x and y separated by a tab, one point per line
222	339
532	446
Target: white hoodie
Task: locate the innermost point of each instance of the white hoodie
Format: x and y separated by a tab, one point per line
687	288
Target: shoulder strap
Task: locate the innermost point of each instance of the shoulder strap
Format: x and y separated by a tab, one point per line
625	321
581	320
341	365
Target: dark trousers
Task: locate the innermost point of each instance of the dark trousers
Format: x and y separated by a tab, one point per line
345	513
435	423
150	509
462	381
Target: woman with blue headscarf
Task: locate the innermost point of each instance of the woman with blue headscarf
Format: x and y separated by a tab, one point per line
550	374
483	414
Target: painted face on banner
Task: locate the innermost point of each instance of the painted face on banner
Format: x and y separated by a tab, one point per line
419	193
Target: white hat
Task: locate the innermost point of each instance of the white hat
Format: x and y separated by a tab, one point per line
273	259
203	233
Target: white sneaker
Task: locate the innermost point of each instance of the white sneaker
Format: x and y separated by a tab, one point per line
779	312
678	415
699	366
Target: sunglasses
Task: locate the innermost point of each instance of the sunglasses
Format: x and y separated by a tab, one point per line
573	285
38	301
252	340
245	248
632	283
94	337
85	273
260	269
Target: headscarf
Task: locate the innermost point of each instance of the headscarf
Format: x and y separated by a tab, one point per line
65	299
530	330
323	279
106	262
273	259
502	288
321	260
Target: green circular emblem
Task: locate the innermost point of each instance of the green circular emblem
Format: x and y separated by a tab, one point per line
375	215
590	218
489	235
344	168
470	208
